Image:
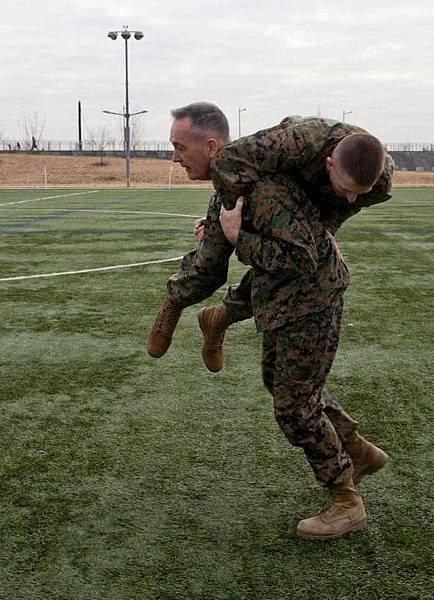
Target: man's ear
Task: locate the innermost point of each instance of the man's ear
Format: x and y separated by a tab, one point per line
329	163
213	147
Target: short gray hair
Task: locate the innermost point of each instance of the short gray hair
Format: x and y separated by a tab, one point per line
205	117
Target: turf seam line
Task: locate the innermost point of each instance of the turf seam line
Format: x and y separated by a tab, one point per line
99	269
128	212
49	197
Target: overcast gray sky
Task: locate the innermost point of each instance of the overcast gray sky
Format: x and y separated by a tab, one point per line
274	57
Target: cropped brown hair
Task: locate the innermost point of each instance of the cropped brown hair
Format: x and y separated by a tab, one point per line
361	156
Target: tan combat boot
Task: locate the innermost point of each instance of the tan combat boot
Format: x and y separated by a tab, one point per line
366	457
344	513
213	322
161	333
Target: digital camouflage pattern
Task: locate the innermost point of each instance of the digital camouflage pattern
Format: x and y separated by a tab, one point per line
297	278
205	269
298	283
315	139
295	363
299	146
281	236
295	264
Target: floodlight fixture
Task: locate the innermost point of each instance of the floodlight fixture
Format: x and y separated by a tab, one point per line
126	35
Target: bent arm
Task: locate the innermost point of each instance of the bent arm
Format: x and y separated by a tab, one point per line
283	242
205	269
287	146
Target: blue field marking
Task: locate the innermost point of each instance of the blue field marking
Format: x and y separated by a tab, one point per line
8	229
61	214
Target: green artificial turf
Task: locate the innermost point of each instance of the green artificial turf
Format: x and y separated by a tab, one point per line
125	477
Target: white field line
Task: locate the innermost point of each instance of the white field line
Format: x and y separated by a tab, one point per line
99	269
127	212
49	197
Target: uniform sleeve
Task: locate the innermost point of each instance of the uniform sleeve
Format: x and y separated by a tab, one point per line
238	166
205	269
282	241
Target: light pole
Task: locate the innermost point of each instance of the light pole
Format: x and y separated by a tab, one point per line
126	34
240	110
346	112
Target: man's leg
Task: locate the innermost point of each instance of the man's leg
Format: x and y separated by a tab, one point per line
200	274
367	458
214	320
303	355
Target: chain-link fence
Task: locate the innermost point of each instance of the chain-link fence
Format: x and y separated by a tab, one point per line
150	145
85	146
409	147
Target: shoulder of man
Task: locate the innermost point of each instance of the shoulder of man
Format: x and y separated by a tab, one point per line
318	131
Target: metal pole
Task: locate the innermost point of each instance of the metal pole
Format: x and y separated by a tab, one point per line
126	34
127	118
80	143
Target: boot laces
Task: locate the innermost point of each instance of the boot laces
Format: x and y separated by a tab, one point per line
166	319
328	506
216	333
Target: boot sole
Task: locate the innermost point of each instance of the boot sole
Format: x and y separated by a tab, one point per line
200	320
354	528
382	462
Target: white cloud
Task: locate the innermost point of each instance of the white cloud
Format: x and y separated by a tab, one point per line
275	57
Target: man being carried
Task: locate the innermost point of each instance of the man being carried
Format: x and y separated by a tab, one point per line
308	149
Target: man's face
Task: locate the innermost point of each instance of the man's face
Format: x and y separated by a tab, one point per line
192	150
342	183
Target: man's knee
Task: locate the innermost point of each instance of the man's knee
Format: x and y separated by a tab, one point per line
297	412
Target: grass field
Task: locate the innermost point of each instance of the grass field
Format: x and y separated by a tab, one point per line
124	477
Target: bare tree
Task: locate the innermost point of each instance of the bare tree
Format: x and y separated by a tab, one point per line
137	133
32	128
99	139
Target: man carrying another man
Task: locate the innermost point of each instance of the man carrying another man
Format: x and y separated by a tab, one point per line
300	180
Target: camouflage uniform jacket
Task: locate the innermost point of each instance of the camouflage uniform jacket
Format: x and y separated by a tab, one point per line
297	269
297	146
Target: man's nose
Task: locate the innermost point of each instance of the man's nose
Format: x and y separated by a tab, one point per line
175	157
351	197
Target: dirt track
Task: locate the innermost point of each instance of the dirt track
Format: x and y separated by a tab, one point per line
24	170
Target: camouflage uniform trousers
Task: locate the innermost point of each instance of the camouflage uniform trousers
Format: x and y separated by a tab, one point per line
295	364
